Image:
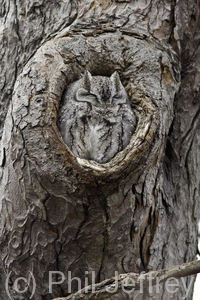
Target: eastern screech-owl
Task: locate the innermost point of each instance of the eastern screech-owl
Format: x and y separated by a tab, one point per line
96	120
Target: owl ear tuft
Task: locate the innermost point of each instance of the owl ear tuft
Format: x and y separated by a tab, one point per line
116	82
87	79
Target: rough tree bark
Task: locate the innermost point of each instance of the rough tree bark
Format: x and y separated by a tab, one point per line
139	211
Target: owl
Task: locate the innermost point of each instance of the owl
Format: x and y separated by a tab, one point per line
96	120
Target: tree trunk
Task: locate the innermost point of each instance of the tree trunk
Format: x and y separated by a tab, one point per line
135	213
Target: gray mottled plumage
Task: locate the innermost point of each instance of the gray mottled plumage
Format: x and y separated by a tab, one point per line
96	120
